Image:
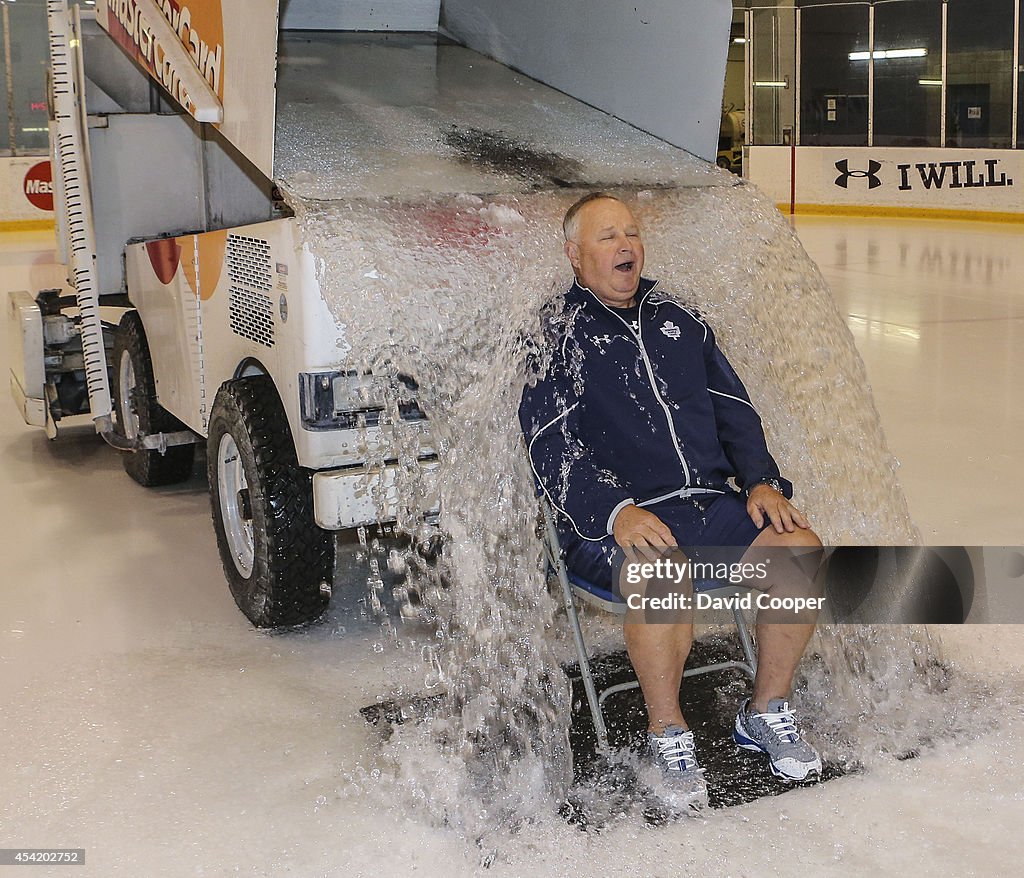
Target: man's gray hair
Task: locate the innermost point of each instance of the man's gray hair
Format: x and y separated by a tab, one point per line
571	225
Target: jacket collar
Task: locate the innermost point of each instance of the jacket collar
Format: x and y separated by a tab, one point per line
583	295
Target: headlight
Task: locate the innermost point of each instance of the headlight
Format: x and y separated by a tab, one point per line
340	400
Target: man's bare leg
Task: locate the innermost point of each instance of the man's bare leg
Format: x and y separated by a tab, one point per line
780	646
658	654
658	643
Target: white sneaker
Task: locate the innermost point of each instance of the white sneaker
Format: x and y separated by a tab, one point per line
774	733
682	779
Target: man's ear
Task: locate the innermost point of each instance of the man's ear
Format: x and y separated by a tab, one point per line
572	252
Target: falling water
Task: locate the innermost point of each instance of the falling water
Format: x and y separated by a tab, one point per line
446	288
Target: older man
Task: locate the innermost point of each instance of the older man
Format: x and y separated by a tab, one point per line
635	432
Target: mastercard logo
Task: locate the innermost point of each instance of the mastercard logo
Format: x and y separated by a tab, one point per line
39	186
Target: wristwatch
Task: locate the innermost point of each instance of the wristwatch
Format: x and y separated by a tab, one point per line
771	483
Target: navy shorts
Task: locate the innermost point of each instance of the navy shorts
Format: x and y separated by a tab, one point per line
712	527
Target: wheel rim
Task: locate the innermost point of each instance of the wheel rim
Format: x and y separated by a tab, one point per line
231	482
126	410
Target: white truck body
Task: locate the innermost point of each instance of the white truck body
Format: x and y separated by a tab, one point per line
182	117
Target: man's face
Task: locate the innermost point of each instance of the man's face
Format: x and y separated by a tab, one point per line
607	254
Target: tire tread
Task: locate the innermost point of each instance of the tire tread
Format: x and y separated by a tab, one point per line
297	555
149	468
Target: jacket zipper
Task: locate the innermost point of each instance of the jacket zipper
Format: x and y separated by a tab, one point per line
638	333
657	394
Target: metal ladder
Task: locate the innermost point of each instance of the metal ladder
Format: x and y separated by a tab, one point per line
69	148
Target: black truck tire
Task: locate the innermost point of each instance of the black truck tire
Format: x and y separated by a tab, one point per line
138	410
278	562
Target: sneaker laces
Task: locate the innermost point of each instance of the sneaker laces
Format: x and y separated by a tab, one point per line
782	724
679	749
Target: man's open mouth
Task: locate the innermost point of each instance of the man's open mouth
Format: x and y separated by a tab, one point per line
625	266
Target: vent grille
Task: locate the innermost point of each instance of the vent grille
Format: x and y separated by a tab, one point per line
250	308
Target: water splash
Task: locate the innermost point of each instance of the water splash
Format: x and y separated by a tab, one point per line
448	290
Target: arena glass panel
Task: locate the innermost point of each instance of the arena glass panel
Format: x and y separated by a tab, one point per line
773	71
30	57
5	115
1020	78
908	73
979	73
833	75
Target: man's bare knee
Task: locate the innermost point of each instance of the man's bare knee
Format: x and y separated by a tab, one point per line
794	588
801	537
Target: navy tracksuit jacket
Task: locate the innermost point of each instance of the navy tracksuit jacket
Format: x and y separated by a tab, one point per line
625	416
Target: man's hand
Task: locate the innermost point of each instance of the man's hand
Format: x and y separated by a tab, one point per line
636	528
763	501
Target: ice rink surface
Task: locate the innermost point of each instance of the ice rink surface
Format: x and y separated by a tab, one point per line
144	720
937	311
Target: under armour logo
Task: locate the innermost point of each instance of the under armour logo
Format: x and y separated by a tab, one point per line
871	173
602	339
669	329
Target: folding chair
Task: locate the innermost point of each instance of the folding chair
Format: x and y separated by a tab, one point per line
574	586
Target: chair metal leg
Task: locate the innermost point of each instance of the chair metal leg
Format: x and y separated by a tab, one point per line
595	700
577	633
618	687
748	648
719	666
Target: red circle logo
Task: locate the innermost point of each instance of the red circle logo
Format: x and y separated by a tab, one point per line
39	186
